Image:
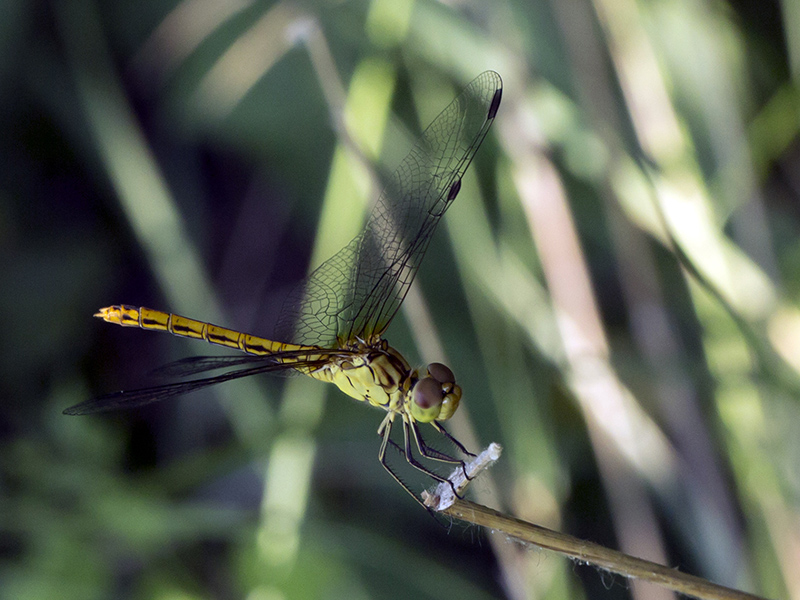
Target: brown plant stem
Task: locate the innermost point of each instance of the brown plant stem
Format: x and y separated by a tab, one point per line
594	554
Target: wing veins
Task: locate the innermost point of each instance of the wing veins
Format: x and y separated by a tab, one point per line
360	289
127	399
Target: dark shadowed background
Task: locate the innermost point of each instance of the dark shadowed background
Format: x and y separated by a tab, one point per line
616	288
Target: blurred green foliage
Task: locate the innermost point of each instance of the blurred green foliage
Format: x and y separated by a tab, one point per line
616	289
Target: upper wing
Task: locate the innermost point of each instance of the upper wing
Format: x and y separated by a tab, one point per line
356	292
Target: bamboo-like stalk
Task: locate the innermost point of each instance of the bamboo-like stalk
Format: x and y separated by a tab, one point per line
445	502
594	554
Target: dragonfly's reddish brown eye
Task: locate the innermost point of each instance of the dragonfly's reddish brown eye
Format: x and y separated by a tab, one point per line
441	373
427	393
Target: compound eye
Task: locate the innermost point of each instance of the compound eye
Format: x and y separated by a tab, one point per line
441	373
427	393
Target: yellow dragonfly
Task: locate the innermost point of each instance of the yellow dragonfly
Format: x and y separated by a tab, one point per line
335	318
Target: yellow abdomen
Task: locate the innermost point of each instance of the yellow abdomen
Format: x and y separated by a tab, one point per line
147	318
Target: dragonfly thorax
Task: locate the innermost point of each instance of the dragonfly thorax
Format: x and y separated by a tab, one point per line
378	374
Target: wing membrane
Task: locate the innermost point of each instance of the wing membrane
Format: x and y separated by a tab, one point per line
357	292
202	364
135	398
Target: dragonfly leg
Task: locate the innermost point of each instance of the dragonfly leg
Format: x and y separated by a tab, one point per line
410	456
440	428
385	431
427	452
386	423
433	454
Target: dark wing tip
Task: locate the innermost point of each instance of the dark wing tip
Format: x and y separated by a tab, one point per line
498	93
454	189
95	405
76	411
495	103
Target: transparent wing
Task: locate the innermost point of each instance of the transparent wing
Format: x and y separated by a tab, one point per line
356	292
264	364
202	364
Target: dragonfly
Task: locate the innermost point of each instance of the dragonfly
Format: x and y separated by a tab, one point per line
335	318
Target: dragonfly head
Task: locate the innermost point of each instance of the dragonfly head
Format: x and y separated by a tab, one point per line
435	397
